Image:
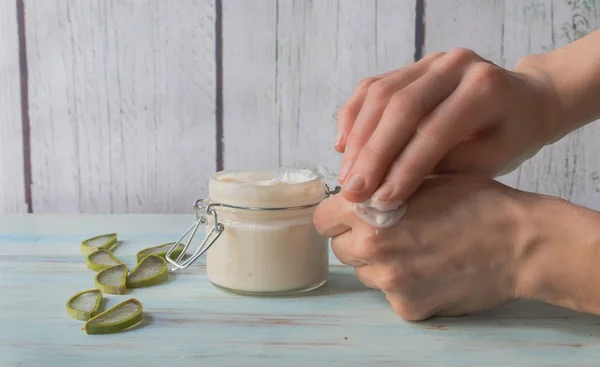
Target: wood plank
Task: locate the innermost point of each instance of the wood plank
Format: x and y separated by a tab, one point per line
251	131
324	49
12	189
190	322
474	25
122	104
569	168
464	23
307	83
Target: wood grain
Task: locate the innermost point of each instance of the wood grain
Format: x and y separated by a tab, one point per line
569	168
190	322
463	23
122	104
251	132
305	58
122	93
12	188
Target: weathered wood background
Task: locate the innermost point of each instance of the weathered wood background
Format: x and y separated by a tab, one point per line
120	106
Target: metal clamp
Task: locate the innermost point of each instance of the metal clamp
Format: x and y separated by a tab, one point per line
203	209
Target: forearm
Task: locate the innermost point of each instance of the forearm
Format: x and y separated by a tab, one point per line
573	72
561	265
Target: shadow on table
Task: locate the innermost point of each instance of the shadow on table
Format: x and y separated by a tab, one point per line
341	280
524	315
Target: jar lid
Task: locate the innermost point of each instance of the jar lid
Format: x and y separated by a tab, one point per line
267	187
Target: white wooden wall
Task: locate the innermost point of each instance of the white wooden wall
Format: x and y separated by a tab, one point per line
129	105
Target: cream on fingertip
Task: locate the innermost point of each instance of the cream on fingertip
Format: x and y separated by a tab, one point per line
374	214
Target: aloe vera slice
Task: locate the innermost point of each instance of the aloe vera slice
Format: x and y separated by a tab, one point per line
161	250
151	270
112	280
118	318
105	241
84	305
101	259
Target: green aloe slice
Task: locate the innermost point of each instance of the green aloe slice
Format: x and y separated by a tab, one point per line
151	270
105	241
112	280
160	250
84	305
101	259
118	318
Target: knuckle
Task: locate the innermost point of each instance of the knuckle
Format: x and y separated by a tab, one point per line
455	59
364	251
392	279
345	113
336	248
428	132
365	83
355	141
409	311
370	247
432	56
462	55
485	78
380	90
365	277
407	104
319	219
372	152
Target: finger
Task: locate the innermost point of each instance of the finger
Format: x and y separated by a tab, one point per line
398	124
348	112
378	94
333	216
467	109
342	247
409	309
367	275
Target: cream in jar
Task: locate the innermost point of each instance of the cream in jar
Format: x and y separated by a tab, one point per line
269	244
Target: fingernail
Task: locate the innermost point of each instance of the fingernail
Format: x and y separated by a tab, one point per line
338	139
356	183
384	192
345	169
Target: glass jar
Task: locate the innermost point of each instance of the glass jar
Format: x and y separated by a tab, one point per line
260	234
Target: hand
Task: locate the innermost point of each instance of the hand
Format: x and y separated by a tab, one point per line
458	248
449	112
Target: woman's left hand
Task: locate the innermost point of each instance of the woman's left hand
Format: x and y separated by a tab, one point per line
457	249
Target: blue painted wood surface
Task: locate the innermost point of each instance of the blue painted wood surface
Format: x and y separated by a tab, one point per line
189	322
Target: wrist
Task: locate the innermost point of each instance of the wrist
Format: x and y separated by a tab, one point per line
572	76
559	261
541	82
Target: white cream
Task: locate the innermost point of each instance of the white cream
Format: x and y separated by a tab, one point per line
266	177
378	214
266	252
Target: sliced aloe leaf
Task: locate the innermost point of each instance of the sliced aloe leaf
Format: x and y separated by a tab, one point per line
151	270
112	280
105	241
161	250
118	318
84	305
101	259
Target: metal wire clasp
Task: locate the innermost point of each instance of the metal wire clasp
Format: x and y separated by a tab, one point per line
204	209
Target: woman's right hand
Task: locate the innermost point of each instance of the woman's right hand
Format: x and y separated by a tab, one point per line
449	112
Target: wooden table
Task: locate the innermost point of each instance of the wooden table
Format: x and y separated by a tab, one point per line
189	322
